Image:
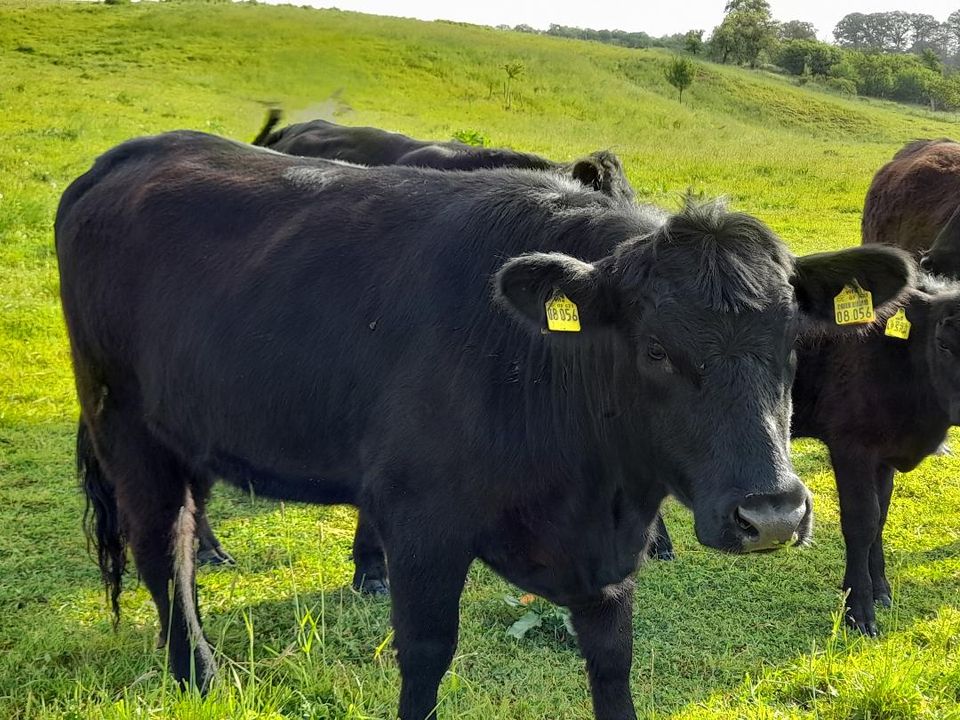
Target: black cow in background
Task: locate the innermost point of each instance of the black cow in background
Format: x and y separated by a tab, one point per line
321	332
600	171
880	402
943	257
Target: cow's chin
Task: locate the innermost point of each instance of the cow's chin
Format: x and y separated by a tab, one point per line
717	536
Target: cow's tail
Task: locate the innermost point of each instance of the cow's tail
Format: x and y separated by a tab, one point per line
101	519
274	115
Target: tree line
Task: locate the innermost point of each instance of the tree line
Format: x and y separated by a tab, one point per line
902	56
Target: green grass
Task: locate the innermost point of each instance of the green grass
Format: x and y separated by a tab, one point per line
716	636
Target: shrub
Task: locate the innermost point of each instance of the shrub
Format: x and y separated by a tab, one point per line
842	85
680	72
807	57
471	137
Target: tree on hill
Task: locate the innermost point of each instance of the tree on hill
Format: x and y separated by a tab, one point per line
745	33
898	25
693	42
796	30
929	59
758	6
851	31
924	29
680	72
898	32
953	27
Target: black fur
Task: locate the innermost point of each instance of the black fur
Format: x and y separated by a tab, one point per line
101	521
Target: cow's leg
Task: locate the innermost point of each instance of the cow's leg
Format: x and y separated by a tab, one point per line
661	546
210	551
426	581
860	521
370	567
156	504
605	634
878	571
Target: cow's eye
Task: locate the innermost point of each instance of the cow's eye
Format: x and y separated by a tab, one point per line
943	346
656	352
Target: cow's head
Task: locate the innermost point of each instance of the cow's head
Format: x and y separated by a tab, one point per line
603	172
940	336
708	309
943	257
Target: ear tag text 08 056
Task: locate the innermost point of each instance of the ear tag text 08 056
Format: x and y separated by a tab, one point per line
853	306
562	313
898	326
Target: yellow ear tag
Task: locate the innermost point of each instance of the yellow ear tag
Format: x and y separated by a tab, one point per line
562	313
898	326
853	306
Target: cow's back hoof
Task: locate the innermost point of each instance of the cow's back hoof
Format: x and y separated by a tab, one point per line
215	556
374	587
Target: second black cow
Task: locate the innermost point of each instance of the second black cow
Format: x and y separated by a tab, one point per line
882	401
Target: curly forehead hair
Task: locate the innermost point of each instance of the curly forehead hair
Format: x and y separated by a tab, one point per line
730	260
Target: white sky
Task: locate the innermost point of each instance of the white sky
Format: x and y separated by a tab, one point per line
655	17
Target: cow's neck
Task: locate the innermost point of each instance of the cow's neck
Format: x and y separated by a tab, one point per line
580	522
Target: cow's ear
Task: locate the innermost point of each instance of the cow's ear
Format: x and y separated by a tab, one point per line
885	271
525	284
589	172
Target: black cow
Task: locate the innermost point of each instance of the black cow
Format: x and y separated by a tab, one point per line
943	257
601	170
880	403
326	333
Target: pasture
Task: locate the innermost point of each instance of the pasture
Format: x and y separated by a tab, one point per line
716	636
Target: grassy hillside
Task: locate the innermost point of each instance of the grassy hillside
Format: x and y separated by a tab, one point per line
717	636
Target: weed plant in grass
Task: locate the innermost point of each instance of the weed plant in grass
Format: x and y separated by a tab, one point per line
716	636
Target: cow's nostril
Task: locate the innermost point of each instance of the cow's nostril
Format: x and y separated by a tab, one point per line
745	525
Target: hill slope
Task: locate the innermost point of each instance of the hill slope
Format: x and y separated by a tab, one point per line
77	79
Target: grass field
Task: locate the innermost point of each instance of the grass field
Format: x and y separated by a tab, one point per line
716	636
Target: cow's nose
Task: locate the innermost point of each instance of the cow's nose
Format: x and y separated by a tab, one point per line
771	521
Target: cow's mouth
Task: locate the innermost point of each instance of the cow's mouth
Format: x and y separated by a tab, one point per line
768	532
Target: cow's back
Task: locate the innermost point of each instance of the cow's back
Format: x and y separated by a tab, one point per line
375	147
359	145
912	196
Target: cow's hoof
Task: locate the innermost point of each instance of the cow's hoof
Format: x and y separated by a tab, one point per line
215	556
663	554
860	614
375	587
944	449
864	627
883	599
